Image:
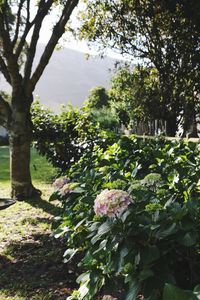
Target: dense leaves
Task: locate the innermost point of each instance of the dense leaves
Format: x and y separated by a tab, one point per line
137	93
97	105
152	247
97	99
63	138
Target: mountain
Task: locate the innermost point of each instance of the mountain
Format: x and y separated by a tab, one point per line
69	76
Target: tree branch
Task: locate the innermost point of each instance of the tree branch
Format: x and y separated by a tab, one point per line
4	70
58	31
5	112
17	23
11	61
41	13
26	31
5	7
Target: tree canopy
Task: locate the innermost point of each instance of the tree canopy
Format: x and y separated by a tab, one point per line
97	99
137	92
162	34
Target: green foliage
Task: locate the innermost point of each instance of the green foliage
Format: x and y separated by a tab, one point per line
97	105
172	292
152	243
136	92
61	138
64	138
106	118
97	99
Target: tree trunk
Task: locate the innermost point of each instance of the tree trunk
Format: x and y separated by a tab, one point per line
20	140
171	126
190	124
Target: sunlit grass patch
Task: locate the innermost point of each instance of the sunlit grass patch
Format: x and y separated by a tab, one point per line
41	170
31	260
31	264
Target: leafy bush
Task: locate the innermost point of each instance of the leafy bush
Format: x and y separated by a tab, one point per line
64	138
151	247
106	118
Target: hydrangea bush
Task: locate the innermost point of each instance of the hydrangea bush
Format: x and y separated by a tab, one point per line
111	203
133	214
60	182
64	188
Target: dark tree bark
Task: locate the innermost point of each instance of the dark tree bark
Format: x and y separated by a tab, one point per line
190	128
190	120
20	133
171	125
20	161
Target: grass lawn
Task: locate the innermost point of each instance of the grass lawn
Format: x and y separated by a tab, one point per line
31	265
41	170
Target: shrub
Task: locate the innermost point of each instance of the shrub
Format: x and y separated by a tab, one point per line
64	138
151	246
106	118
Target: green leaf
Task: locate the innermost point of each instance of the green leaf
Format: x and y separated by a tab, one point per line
197	291
125	215
54	196
135	171
96	283
149	254
172	292
78	190
122	254
101	246
163	233
60	231
133	290
189	239
83	290
84	277
69	253
79	224
146	273
104	228
94	226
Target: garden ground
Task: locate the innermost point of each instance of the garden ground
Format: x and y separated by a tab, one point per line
31	260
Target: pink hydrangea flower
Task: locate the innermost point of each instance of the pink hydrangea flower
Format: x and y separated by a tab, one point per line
68	188
111	202
60	182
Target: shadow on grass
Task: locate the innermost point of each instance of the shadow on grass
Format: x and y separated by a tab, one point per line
35	267
46	206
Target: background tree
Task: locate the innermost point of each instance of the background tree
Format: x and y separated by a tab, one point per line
136	92
163	34
98	98
98	106
17	22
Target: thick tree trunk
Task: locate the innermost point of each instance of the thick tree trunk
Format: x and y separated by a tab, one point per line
20	140
190	125
194	130
171	126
